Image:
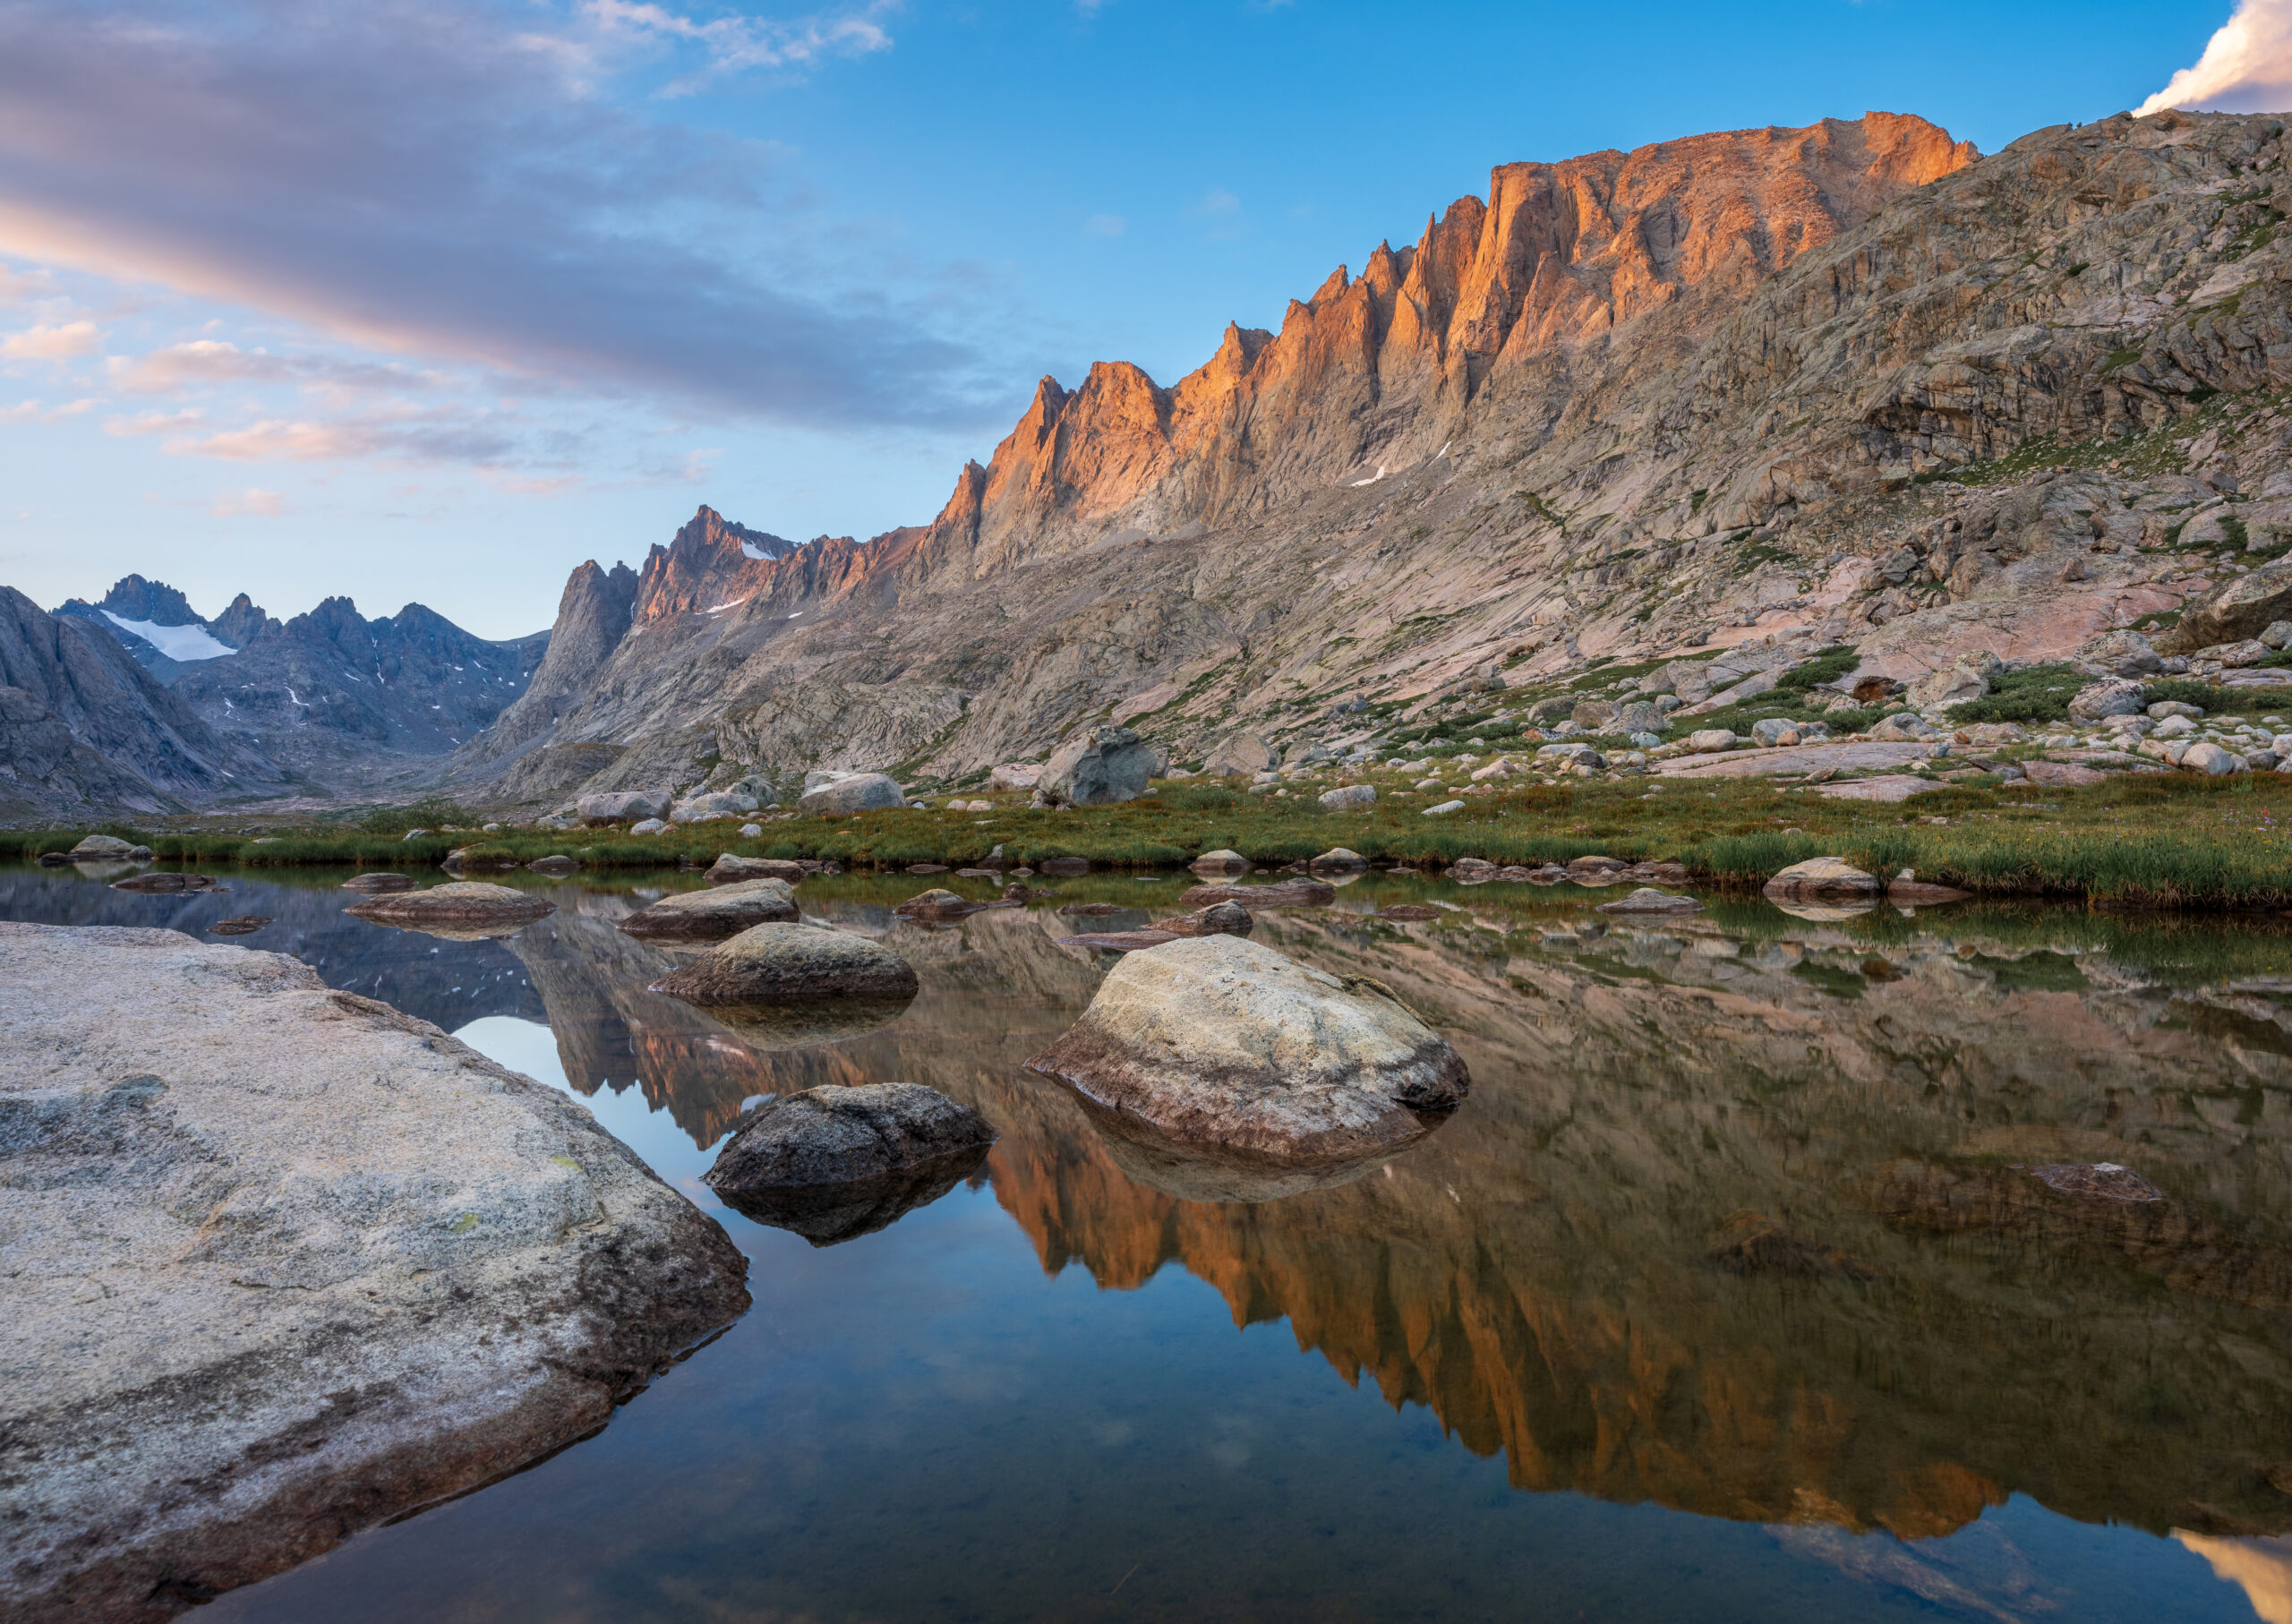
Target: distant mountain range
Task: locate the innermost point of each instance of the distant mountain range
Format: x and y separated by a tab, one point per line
135	702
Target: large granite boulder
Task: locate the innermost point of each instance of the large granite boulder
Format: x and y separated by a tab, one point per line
110	848
2241	606
283	1263
456	902
1218	1041
623	805
1242	756
1014	776
2109	696
857	792
792	964
1098	768
719	911
715	804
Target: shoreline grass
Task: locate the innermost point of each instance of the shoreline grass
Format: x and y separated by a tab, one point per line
2150	840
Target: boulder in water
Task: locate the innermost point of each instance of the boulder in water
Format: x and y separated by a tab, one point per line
729	868
719	911
456	903
777	963
1217	1040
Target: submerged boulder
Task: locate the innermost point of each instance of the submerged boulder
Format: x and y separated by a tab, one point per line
1218	1041
1286	893
457	902
1218	919
1220	862
1339	859
1648	900
379	881
721	910
779	963
942	904
729	869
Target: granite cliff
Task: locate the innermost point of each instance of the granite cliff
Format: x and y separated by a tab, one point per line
1852	383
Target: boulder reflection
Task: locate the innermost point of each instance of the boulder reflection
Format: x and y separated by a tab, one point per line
1731	1221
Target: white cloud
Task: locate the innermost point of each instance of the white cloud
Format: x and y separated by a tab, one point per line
59	341
2246	66
1105	224
254	501
1219	203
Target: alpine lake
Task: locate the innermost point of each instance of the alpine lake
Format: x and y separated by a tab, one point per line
1745	1285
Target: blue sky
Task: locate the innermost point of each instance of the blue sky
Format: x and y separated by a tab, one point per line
425	300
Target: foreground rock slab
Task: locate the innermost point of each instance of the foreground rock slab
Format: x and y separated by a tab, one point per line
283	1263
1219	1041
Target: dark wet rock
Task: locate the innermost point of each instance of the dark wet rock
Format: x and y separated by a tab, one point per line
834	1135
167	883
1286	894
1219	1040
926	868
1410	912
715	913
940	904
379	881
1472	870
1067	867
244	925
308	1359
769	964
827	1215
729	869
1095	909
1218	919
458	902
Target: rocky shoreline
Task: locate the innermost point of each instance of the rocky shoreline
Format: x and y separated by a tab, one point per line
283	1263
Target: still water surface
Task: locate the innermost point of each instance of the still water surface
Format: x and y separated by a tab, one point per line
1722	1298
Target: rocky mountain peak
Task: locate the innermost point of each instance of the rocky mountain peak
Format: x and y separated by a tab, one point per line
710	564
133	598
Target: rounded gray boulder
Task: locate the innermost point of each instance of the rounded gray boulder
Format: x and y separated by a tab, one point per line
1217	1040
779	963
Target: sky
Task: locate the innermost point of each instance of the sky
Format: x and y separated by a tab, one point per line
431	300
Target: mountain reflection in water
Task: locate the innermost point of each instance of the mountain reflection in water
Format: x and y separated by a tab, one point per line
1735	1220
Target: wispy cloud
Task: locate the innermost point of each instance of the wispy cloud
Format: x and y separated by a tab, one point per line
254	502
59	341
442	180
214	361
2246	66
737	44
1106	225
